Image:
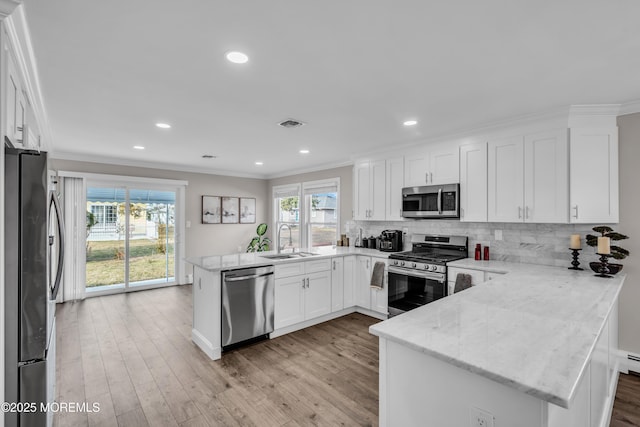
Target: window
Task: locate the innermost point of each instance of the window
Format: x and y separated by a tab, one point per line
307	214
286	200
321	202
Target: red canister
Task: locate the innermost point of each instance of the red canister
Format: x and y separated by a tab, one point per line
478	252
486	253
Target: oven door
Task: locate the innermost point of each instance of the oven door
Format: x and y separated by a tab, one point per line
409	289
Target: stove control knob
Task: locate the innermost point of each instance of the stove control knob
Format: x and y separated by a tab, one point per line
413	265
402	263
395	262
434	267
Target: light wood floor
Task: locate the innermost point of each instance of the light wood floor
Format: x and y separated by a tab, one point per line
626	409
132	353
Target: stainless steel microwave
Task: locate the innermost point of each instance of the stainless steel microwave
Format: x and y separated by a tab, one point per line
431	201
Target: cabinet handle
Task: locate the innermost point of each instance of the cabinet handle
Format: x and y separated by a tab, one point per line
576	208
334	265
367	263
200	283
519	212
461	212
303	286
431	177
526	212
307	283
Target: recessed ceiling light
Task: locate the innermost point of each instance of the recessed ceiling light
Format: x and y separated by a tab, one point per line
259	163
138	147
304	151
410	123
163	125
237	57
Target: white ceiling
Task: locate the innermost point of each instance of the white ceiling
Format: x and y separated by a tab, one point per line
353	70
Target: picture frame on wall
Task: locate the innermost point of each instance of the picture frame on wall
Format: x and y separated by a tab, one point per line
247	210
211	213
230	207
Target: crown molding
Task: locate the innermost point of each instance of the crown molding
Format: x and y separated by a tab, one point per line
630	107
593	115
90	158
322	167
7	7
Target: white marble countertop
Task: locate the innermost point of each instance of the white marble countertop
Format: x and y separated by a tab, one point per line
253	259
533	329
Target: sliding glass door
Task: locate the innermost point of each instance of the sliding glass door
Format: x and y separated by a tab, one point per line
130	237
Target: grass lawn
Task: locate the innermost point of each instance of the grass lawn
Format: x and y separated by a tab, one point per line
105	262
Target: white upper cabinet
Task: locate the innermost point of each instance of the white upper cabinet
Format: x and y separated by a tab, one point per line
506	186
415	169
528	178
394	184
473	182
546	180
361	184
594	175
378	189
438	165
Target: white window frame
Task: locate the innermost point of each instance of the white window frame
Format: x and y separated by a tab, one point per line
323	185
301	190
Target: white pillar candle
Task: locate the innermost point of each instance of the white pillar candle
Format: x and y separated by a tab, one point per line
575	242
604	245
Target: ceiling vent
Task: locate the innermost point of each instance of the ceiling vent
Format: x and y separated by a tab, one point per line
291	123
208	156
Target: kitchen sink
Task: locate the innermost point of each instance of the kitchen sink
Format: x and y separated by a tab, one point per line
289	255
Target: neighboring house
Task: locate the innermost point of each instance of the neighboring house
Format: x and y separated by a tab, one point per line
325	209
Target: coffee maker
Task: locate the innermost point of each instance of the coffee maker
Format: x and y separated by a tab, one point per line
391	241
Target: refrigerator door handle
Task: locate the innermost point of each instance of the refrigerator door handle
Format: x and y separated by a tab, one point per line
60	225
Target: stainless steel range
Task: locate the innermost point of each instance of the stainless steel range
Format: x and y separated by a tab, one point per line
419	276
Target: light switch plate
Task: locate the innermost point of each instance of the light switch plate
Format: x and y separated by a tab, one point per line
188	224
498	234
480	418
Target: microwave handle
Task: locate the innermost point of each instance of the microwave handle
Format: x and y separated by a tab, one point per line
440	201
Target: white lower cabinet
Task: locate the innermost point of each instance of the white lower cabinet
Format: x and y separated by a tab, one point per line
349	276
303	296
363	279
289	301
337	284
366	296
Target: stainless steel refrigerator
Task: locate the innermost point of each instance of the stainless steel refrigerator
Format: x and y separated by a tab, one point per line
34	252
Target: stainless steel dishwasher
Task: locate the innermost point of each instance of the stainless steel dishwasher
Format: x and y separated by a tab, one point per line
247	304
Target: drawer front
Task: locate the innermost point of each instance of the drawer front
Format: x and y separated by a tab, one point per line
476	275
318	265
289	269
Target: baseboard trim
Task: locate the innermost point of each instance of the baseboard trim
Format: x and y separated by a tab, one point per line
628	361
205	345
311	322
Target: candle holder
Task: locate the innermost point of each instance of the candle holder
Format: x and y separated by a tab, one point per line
603	271
575	263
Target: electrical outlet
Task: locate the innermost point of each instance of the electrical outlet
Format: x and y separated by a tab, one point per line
498	234
480	418
189	278
405	231
188	224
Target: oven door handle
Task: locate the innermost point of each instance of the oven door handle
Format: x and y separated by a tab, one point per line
425	275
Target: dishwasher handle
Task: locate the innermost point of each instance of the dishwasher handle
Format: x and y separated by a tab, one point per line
239	278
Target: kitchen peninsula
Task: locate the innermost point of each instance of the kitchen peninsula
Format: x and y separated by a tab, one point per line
335	282
534	346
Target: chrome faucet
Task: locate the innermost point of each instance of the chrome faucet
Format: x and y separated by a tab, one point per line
279	247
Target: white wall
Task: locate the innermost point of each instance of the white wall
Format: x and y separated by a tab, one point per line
629	137
200	239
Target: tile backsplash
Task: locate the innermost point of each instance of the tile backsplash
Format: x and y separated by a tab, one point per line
545	244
